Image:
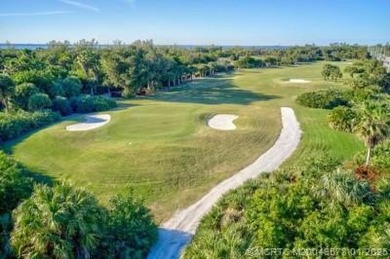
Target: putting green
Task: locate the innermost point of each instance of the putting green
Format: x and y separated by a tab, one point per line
162	147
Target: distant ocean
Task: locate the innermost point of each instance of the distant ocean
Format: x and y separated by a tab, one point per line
44	46
23	46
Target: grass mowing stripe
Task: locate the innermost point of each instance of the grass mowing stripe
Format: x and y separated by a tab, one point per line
161	145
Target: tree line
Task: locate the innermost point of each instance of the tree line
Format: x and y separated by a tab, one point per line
142	67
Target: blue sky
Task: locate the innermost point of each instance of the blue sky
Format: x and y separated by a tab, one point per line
220	22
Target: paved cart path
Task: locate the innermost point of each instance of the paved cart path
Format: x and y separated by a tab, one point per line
178	231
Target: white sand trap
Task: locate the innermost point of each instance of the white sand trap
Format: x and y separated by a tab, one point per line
222	122
91	122
299	81
178	231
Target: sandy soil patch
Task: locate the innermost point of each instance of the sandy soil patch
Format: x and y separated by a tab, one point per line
178	231
298	81
91	122
223	122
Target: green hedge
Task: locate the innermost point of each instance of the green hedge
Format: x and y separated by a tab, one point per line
13	125
324	99
87	103
62	105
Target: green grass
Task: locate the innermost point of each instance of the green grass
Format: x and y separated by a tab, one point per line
161	145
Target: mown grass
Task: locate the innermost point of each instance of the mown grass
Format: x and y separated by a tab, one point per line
161	145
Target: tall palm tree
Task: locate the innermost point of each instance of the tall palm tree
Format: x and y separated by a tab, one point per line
374	125
58	222
6	90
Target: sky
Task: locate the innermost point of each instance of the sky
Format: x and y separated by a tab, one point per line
197	22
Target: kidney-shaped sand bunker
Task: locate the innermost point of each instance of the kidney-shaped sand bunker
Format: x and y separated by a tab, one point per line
91	122
223	122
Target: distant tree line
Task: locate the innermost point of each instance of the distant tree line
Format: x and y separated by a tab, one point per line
67	78
67	70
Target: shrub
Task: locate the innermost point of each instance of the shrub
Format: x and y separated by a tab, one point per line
343	118
131	231
42	118
39	102
71	86
22	94
6	90
82	104
71	220
14	187
87	103
312	206
331	72
13	125
103	104
324	99
55	89
59	222
62	105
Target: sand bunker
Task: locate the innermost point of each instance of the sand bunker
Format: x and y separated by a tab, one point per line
178	231
223	122
299	81
91	122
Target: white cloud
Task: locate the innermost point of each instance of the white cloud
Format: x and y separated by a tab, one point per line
81	5
34	13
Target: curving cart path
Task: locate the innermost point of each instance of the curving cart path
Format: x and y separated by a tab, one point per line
178	231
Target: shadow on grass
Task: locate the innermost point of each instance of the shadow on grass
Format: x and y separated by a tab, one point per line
170	243
122	104
212	91
37	177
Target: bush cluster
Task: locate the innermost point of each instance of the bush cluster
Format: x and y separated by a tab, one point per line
343	119
64	221
324	99
316	206
13	125
81	228
87	103
14	187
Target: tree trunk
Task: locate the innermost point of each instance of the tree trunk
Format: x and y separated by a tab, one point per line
368	156
5	104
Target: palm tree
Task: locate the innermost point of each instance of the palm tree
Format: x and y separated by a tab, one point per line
341	187
6	90
58	222
374	125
